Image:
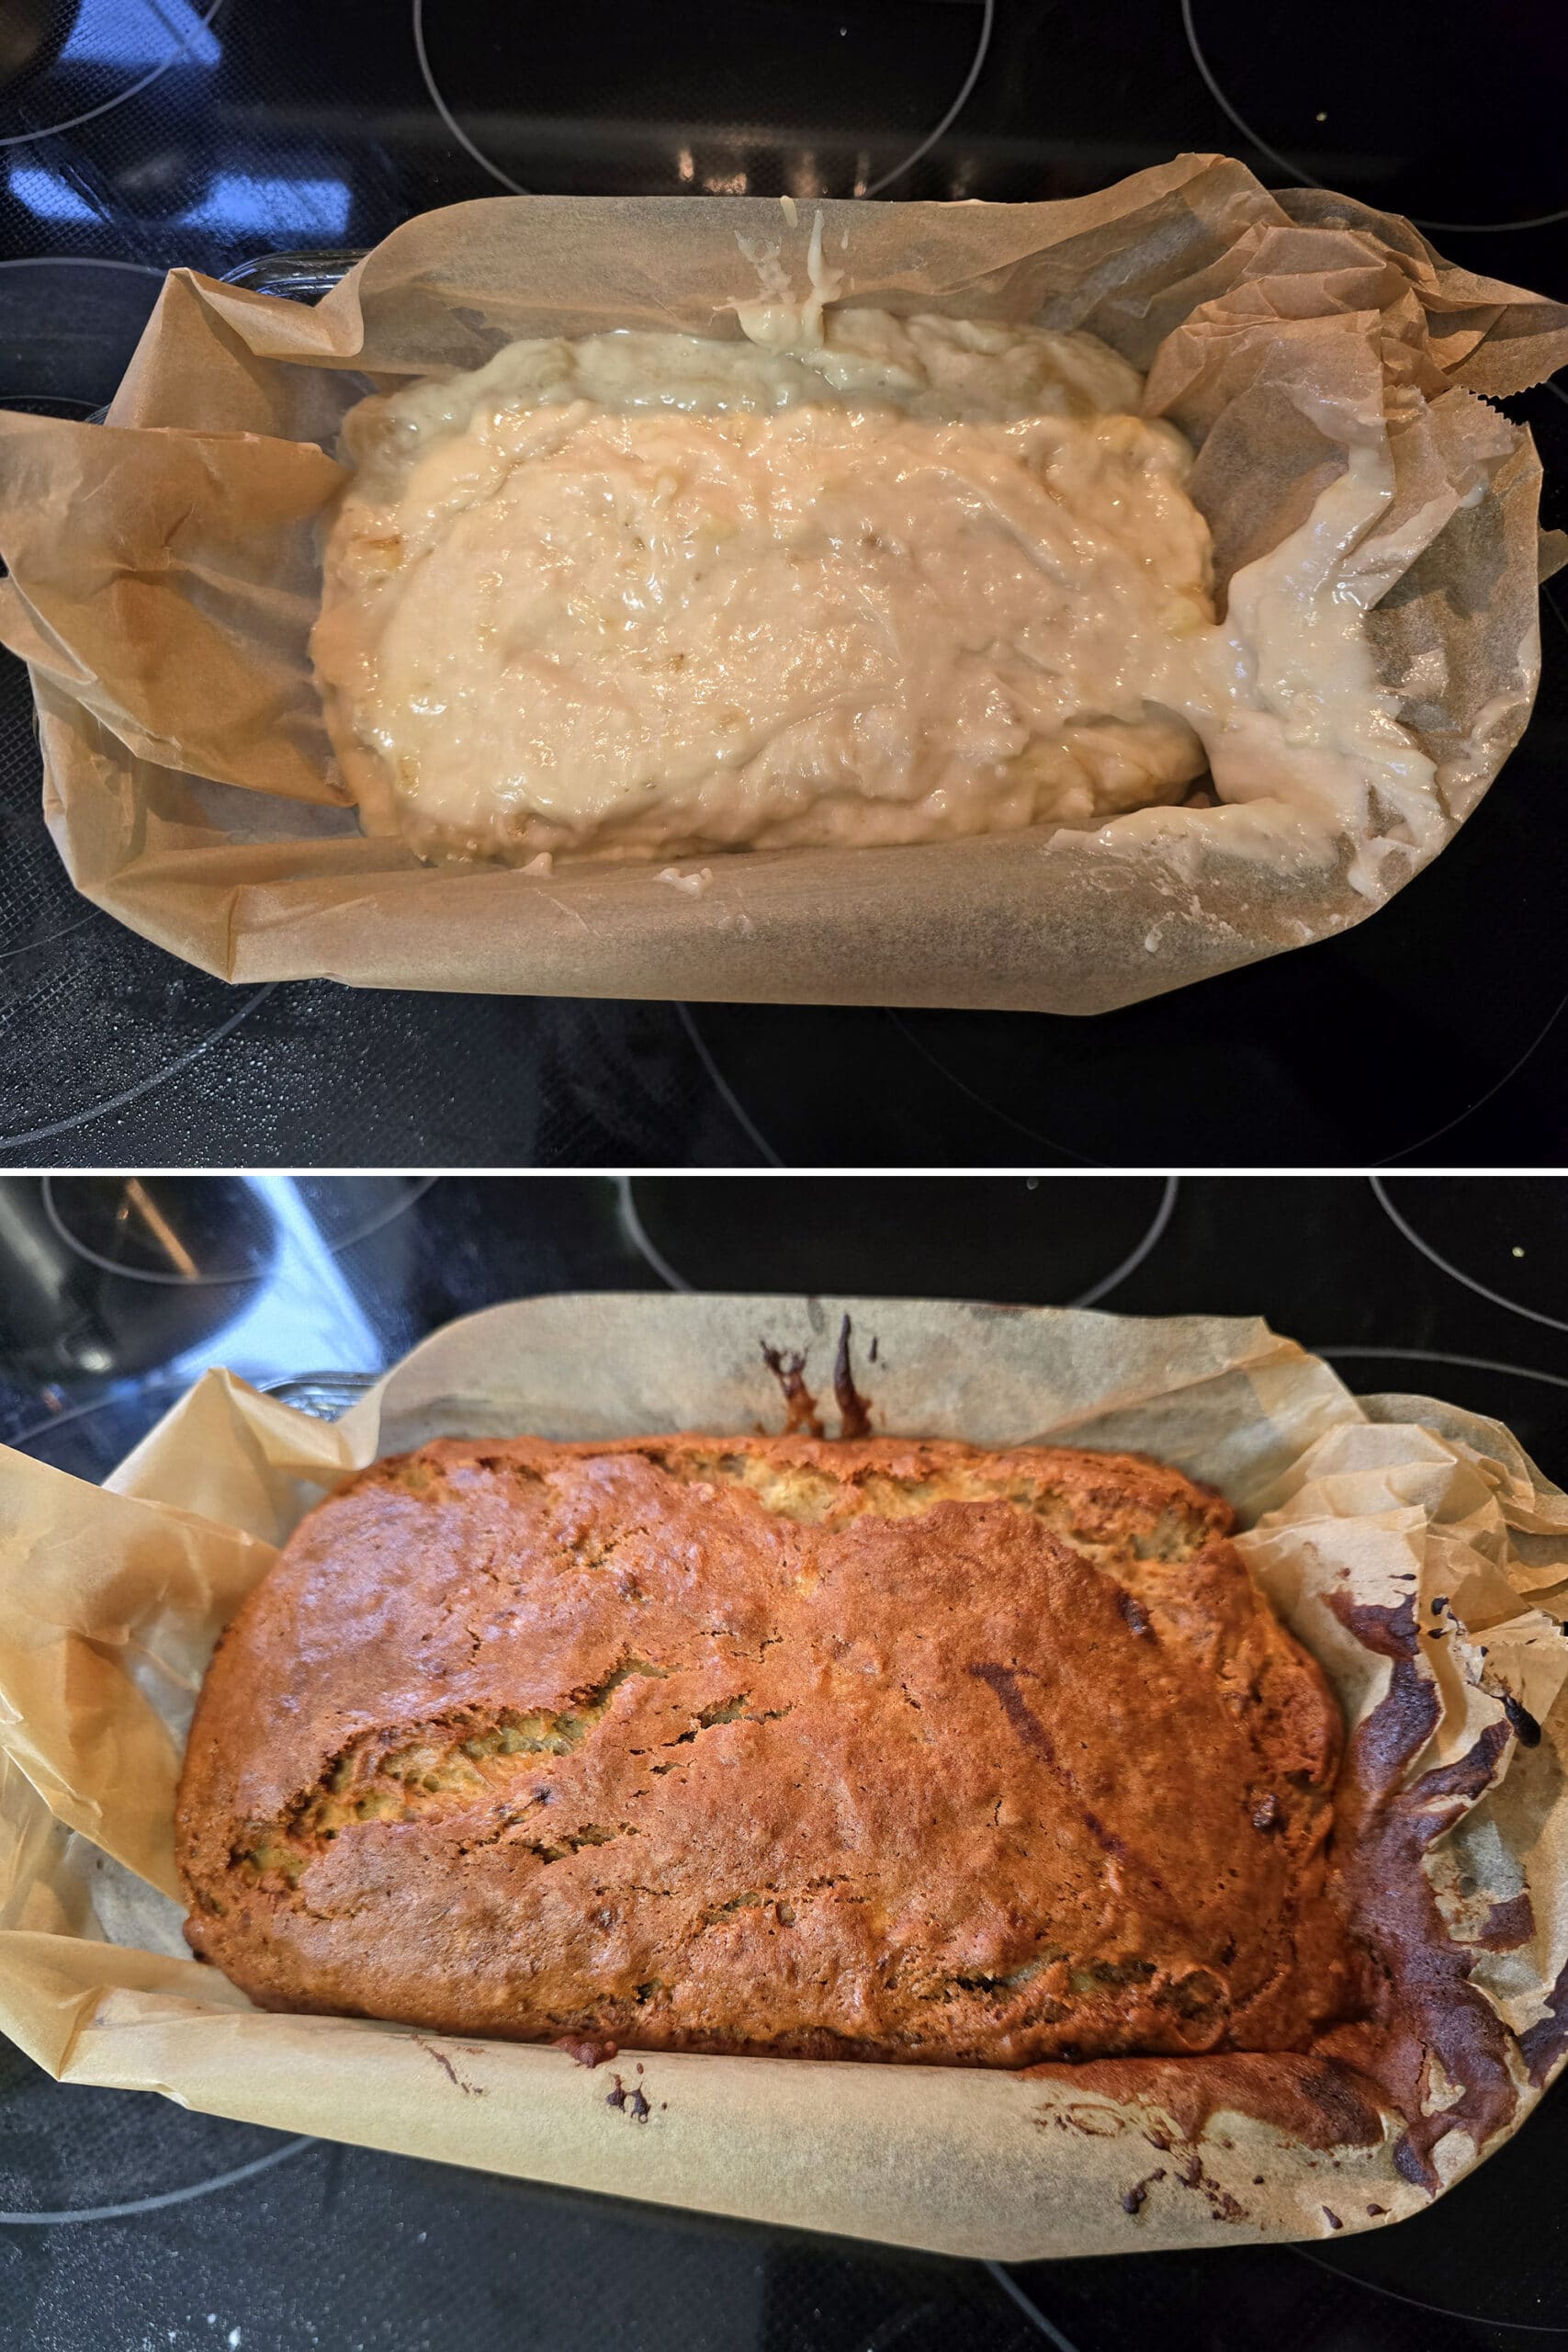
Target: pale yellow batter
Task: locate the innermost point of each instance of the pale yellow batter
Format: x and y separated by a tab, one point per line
645	595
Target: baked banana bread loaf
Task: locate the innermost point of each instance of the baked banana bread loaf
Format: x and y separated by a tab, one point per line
885	1749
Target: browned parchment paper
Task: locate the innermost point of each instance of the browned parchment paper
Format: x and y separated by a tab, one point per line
110	1602
164	576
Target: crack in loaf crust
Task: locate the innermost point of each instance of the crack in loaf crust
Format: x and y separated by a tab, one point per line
886	1750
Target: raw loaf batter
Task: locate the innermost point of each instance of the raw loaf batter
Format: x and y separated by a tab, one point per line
856	579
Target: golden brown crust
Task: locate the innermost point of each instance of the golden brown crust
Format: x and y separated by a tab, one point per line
886	1749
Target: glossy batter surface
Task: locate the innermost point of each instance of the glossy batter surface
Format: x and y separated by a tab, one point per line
651	593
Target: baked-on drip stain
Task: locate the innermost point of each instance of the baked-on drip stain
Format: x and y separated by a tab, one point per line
1527	1731
1543	2043
1133	2198
1383	1832
854	1411
1507	1925
1317	2101
585	2052
1187	2166
1391	1632
801	1417
469	2090
631	2102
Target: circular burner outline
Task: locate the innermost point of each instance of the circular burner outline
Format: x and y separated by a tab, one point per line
1439	1355
31	947
982	50
641	1240
53	130
89	409
152	1385
78	261
1027	2303
160	1385
421	1184
166	2197
726	1093
134	1093
1390	1158
1031	1135
1530	1314
1415	2302
1299	171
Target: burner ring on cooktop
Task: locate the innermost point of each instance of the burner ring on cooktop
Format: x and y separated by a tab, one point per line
35	404
1439	1355
68	323
726	1093
872	188
143	1086
41	404
1299	172
319	1196
166	2196
189	44
636	1231
1016	1088
1413	2302
1422	1142
1456	1273
91	1439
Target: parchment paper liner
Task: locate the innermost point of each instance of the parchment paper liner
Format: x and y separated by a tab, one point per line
164	576
110	1601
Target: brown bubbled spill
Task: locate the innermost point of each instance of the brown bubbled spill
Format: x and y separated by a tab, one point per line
882	1749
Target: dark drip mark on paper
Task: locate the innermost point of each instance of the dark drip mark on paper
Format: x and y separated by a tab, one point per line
1541	2045
469	2090
1507	1925
1133	2198
1384	1831
801	1417
854	1411
584	2051
630	2102
1389	1632
1527	1731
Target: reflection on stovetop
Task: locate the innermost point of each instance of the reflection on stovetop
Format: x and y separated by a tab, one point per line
166	130
115	1291
137	134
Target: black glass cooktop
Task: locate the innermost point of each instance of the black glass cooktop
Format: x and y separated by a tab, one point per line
135	134
126	2223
